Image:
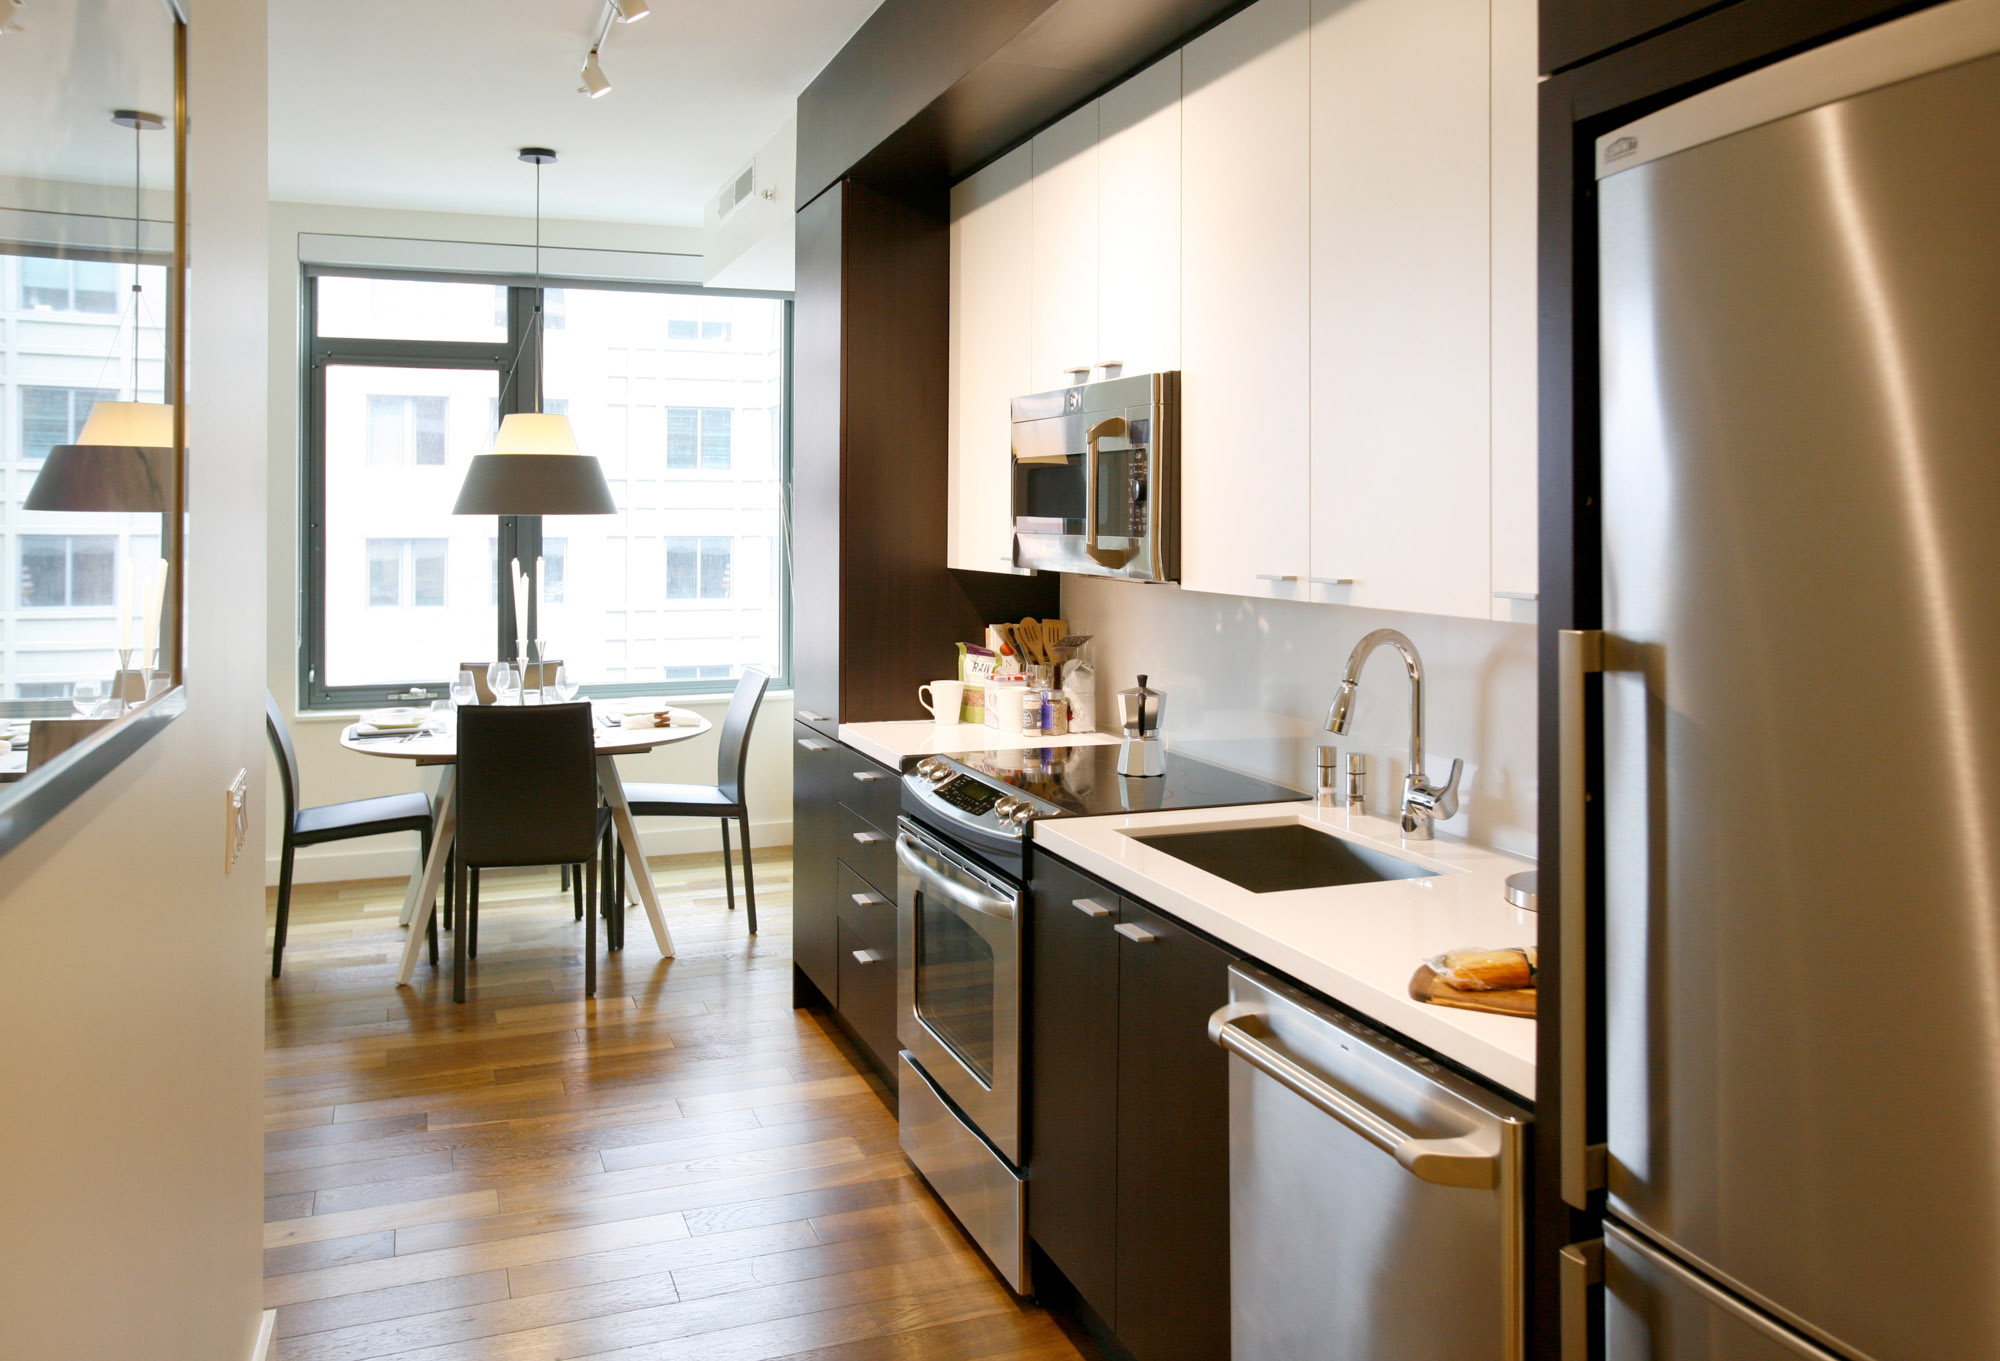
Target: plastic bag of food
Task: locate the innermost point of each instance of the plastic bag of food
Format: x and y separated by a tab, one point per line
1485	970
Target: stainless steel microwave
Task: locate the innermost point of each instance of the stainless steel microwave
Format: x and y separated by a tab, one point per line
1097	478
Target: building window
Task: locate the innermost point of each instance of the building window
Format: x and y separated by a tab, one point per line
715	330
67	569
52	416
699	437
698	568
69	286
688	673
406	573
406	430
683	328
44	689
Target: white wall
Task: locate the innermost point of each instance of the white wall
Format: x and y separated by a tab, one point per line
1248	683
131	978
327	772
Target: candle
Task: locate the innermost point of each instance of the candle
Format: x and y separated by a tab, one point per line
520	611
124	606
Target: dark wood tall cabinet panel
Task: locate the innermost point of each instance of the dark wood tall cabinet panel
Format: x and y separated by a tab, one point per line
1173	1142
1574	30
816	769
1073	1074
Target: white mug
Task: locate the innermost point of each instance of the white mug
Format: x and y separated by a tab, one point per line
944	699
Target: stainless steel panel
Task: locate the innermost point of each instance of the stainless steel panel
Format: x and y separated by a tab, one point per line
1339	1250
1801	491
989	1199
985	911
1656	1309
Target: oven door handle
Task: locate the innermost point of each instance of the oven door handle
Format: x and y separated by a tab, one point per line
956	890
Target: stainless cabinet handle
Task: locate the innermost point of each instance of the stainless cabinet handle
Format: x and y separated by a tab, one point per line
809	716
868	838
1333	581
811	745
1268	576
868	899
1090	907
866	775
867	956
1579	1268
1579	652
1514	595
1134	933
1461	1161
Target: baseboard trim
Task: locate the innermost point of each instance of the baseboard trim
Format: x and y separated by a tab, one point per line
391	857
266	1330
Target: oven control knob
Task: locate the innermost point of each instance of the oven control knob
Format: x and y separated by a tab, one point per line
936	770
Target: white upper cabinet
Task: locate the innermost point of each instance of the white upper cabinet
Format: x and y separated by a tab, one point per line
1065	250
1401	414
1245	327
992	270
1515	454
1139	221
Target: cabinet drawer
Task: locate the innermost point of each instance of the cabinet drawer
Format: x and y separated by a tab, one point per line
869	849
868	965
873	791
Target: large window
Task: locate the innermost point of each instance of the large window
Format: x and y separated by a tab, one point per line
67	569
679	394
69	286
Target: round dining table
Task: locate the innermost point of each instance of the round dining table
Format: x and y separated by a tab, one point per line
428	748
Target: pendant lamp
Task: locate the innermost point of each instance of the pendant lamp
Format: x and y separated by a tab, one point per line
535	467
123	458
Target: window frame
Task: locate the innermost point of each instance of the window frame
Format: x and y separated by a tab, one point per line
517	535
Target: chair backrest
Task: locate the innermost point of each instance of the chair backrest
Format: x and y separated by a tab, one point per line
49	738
539	674
734	753
527	785
288	760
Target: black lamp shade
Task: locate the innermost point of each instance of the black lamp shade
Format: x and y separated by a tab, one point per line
534	484
112	477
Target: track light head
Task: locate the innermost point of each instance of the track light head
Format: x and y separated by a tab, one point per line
595	83
631	11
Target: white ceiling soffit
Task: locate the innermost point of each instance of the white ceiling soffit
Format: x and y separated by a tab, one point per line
422	104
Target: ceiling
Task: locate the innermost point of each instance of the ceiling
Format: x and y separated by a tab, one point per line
63	72
422	104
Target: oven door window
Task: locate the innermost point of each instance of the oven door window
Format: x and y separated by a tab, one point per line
955	983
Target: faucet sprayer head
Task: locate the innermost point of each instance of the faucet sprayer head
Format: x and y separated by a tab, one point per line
1342	710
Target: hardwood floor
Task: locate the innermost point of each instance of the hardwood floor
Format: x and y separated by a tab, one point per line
684	1168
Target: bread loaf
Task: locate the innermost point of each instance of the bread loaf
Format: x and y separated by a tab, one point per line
1486	970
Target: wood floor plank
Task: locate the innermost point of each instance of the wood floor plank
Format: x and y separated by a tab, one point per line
684	1168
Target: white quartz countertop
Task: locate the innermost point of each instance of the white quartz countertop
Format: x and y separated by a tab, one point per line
1358	943
890	742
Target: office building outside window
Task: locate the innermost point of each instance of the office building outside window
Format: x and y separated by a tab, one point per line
679	394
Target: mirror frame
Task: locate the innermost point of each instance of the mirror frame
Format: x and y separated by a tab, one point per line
30	803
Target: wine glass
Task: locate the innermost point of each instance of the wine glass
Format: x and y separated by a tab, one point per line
85	697
438	722
565	686
500	679
464	690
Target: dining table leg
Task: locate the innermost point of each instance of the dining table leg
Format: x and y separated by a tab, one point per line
635	859
442	840
416	880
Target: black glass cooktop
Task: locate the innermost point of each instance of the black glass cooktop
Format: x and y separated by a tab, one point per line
1084	781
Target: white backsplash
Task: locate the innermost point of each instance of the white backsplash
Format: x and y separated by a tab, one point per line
1248	683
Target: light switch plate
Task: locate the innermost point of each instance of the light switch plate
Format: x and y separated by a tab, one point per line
236	820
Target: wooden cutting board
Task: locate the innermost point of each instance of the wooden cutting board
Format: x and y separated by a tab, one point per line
1426	986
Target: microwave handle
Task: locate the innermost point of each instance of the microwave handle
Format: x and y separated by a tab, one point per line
1114	426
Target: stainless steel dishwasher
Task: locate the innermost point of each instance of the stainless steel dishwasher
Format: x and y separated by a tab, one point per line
1374	1199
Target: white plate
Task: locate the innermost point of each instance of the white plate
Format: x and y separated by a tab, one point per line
387	720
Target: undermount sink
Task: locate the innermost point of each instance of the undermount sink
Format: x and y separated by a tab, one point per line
1276	859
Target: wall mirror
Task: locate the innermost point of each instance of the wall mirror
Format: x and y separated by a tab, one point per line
92	446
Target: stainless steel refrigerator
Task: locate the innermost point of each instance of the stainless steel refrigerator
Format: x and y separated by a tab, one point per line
1799	721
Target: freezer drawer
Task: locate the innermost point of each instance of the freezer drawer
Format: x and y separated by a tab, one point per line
1374	1199
989	1198
1655	1309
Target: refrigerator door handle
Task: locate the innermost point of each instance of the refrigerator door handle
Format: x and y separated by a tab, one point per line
1580	1270
1579	652
1443	1162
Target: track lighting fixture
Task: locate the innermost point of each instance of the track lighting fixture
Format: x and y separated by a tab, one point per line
595	83
631	11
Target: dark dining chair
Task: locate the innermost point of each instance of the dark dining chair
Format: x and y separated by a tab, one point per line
527	795
723	800
333	822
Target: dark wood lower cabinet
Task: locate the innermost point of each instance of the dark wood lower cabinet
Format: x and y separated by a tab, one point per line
868	965
815	861
1173	1143
1128	1115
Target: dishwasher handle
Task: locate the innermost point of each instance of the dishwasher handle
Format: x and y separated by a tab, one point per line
1459	1161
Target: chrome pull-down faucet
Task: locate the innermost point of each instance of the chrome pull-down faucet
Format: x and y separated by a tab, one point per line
1423	802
